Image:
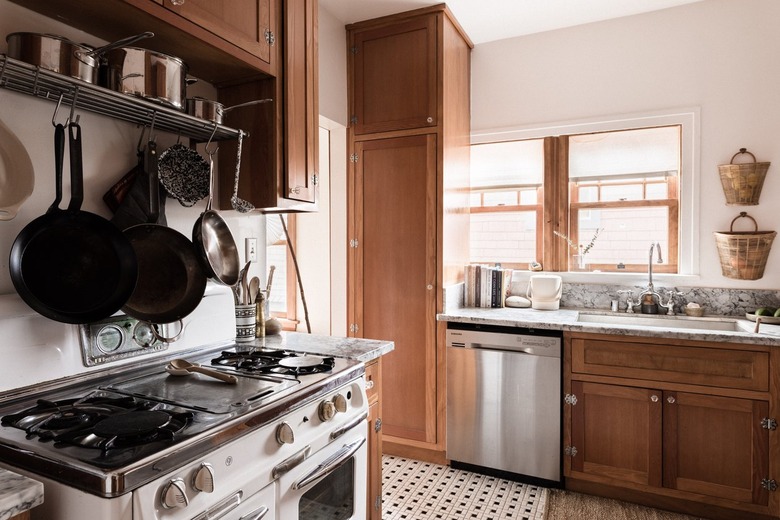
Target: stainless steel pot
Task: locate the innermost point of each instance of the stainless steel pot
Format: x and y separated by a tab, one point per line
58	54
54	53
151	75
214	111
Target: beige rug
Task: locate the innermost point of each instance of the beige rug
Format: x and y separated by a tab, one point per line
567	505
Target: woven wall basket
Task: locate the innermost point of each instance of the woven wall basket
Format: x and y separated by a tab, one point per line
742	183
743	254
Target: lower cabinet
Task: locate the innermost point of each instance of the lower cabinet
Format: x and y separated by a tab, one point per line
373	391
665	437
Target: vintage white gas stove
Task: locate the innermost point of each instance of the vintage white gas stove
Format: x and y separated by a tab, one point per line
119	438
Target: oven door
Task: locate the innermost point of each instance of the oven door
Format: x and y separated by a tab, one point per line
331	483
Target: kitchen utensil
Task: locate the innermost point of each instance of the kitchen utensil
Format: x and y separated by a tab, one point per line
214	242
270	281
239	286
180	367
51	52
70	265
239	204
17	177
254	289
184	174
147	74
171	281
213	110
58	54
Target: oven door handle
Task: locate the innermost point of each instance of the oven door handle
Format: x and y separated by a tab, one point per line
257	514
330	464
335	434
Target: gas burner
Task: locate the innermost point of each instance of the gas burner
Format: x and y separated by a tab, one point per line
275	362
99	422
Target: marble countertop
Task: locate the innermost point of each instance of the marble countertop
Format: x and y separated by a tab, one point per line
566	319
360	349
18	494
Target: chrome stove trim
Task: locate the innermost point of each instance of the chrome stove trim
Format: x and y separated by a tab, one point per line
110	484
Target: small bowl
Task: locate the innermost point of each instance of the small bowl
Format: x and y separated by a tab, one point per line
696	312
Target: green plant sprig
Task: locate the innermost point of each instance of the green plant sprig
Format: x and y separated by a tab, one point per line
573	246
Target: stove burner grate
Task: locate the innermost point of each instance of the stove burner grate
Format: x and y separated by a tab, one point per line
99	422
275	362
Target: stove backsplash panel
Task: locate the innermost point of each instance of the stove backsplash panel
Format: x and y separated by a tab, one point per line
34	349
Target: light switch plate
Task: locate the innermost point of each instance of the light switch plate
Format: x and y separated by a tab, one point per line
251	249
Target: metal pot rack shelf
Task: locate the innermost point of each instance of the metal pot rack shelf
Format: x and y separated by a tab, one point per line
29	79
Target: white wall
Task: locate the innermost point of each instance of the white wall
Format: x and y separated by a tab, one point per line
333	68
718	55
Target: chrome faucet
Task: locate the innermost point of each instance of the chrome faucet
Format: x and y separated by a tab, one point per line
649	300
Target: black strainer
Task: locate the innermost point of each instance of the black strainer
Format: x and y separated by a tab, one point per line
184	174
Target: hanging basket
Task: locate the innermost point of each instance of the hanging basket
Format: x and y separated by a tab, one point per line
743	254
742	183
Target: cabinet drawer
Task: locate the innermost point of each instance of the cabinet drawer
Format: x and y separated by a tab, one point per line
742	369
373	371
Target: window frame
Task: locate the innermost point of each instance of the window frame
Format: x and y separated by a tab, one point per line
555	252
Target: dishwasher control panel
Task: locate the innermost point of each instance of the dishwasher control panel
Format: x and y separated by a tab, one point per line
548	346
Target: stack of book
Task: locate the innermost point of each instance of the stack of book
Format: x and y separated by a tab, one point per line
486	286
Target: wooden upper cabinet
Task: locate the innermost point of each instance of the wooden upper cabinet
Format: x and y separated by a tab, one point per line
244	23
279	165
301	108
395	76
221	41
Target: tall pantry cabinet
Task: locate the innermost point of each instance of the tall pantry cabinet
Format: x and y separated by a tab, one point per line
409	77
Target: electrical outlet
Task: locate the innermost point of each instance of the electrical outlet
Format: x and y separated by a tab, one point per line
251	250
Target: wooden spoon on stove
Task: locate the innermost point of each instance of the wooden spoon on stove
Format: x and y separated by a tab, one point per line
181	364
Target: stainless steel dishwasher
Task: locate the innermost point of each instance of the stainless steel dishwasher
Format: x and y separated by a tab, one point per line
504	401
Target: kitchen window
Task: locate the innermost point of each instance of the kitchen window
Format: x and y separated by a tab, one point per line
545	198
282	300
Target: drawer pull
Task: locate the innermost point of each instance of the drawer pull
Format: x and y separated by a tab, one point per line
369	384
671	399
654	398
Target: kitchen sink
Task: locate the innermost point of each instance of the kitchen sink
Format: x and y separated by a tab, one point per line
671	322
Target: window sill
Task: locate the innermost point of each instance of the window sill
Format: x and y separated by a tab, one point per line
639	279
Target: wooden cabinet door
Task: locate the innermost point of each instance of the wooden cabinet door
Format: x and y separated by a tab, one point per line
244	23
616	431
392	271
301	122
716	446
374	507
395	76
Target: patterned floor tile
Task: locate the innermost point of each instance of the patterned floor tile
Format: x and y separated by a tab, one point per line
416	490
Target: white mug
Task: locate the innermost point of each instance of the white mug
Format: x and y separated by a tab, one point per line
544	291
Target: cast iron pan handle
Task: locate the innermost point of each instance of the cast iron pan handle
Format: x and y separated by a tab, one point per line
150	166
59	154
76	168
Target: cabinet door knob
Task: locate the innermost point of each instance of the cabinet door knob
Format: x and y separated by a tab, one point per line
430	119
654	398
177	2
671	399
429	287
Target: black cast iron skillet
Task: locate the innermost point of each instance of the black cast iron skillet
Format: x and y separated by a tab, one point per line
70	265
171	281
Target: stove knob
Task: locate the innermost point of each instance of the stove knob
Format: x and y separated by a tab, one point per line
203	480
174	495
284	434
326	410
340	402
